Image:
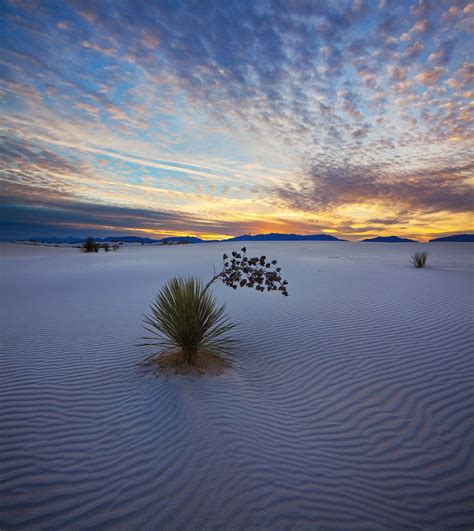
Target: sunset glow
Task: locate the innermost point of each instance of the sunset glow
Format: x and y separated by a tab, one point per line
217	119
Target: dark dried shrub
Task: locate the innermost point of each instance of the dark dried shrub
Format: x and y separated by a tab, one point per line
419	259
252	272
90	246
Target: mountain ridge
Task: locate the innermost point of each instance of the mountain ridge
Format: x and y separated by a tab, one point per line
388	239
454	238
189	239
273	236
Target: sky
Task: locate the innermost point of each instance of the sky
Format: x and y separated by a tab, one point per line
220	118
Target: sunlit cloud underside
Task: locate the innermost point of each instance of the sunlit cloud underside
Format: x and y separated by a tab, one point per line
217	118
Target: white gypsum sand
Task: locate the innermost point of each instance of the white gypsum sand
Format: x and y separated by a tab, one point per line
349	403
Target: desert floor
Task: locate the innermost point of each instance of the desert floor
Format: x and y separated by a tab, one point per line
349	403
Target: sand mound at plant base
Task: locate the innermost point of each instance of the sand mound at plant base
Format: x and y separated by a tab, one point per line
348	405
170	363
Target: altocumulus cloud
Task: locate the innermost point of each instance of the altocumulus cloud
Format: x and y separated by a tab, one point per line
363	102
441	189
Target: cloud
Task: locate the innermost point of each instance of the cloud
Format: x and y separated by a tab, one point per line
443	189
414	50
109	52
429	77
398	73
174	104
27	212
421	26
466	24
469	8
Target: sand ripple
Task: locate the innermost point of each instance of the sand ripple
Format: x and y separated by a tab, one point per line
349	404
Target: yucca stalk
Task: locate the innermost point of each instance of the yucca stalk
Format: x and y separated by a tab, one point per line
419	259
187	326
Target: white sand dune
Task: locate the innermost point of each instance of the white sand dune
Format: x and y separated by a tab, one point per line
349	404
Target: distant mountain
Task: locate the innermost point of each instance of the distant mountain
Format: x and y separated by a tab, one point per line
51	239
178	239
284	237
388	239
111	239
455	238
191	239
126	239
139	239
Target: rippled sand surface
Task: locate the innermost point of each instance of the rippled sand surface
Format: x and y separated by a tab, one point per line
349	404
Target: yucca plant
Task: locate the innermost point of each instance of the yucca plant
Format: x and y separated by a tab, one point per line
188	328
419	259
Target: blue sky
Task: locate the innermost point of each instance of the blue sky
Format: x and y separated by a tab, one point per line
221	118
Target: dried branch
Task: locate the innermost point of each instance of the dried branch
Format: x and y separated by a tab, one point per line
257	272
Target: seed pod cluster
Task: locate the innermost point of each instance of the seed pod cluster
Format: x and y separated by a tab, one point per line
257	272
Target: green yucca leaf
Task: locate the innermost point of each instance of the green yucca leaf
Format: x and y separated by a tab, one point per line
185	317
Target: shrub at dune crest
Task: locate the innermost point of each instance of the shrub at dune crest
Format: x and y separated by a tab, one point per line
419	259
90	246
187	326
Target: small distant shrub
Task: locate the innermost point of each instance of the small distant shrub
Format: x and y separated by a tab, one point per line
189	328
90	246
106	247
115	247
419	259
